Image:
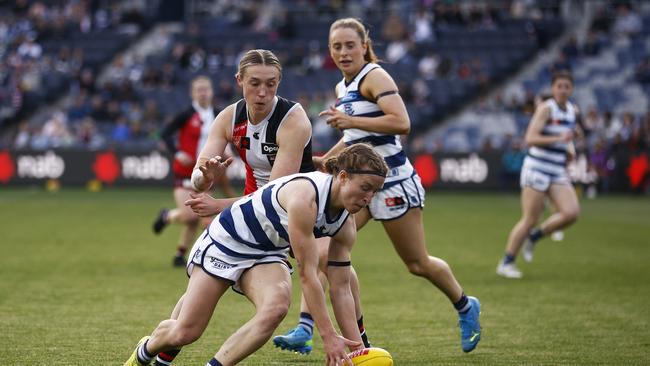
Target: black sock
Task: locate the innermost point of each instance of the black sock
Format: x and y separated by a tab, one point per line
507	258
166	358
535	235
362	330
463	305
213	362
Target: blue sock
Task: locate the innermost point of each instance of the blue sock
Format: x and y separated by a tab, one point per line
535	235
213	362
463	305
307	322
507	258
143	356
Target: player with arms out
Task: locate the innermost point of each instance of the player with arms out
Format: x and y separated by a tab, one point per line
369	109
246	247
544	174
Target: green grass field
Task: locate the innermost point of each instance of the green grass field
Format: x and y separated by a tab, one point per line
82	278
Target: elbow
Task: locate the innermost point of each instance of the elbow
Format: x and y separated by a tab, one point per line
405	127
529	140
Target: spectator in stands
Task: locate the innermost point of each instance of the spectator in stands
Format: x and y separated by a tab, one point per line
88	136
570	49
642	72
121	131
422	26
428	65
603	164
591	47
56	133
627	22
23	136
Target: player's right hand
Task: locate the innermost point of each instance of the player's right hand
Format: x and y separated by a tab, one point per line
335	350
566	137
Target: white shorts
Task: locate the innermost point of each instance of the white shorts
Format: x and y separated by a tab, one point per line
393	202
539	180
206	254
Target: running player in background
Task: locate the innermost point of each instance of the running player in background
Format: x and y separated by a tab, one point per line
246	247
184	137
369	109
271	134
544	174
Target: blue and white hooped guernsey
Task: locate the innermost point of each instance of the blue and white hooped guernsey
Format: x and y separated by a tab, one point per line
257	226
551	159
350	101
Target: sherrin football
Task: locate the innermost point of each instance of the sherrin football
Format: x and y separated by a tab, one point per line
372	356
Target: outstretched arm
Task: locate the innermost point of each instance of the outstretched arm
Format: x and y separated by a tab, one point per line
299	198
338	275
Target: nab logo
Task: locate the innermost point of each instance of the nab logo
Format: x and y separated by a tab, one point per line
269	149
256	135
394	201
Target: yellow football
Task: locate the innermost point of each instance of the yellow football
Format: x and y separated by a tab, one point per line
371	357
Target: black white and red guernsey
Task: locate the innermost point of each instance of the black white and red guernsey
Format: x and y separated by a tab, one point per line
183	134
256	143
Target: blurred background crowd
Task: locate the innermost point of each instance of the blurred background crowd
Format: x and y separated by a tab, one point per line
97	74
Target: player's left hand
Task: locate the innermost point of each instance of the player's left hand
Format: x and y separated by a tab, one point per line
336	118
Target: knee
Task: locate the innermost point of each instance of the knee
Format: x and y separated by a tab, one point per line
270	316
191	220
571	215
528	222
428	267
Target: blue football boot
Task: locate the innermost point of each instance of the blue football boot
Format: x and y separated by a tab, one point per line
470	328
297	339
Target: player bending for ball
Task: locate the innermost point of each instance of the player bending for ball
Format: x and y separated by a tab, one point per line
246	247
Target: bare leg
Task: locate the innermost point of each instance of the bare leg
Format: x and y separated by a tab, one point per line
566	205
184	215
532	205
268	287
407	235
194	310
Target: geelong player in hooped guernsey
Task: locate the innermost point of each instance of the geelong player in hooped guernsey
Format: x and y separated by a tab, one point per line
544	174
246	247
351	101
